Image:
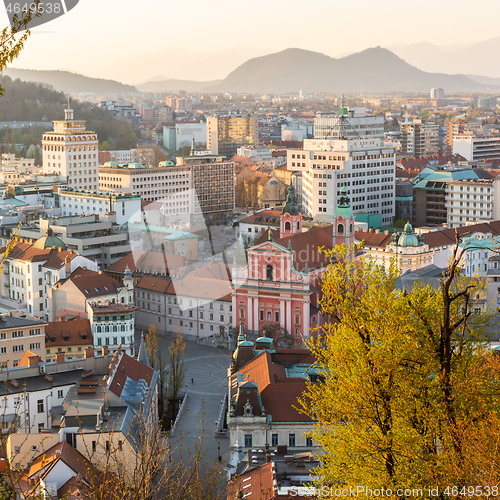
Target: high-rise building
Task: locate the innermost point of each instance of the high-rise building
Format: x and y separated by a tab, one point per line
437	93
162	114
225	134
362	124
364	166
71	152
478	145
419	138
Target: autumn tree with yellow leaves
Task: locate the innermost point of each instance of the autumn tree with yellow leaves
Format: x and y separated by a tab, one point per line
410	391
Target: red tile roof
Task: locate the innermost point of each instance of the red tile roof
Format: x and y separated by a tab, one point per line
158	285
278	392
68	333
306	246
131	368
92	283
128	260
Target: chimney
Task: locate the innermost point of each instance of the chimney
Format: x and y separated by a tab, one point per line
14	382
34	360
119	350
105	350
59	357
67	264
110	369
49	378
89	353
377	231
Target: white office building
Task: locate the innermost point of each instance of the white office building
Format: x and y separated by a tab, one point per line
75	202
362	123
71	151
365	166
478	145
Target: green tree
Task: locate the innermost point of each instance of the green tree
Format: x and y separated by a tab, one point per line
406	377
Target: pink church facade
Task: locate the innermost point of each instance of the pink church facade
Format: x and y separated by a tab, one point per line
280	285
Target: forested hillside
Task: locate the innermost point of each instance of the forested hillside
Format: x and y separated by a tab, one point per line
25	101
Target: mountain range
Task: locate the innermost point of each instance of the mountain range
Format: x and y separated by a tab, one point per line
372	70
376	70
480	58
67	82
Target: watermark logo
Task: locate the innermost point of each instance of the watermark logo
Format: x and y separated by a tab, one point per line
25	15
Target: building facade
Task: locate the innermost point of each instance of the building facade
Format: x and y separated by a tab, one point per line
472	200
76	202
71	151
365	167
20	333
225	134
419	138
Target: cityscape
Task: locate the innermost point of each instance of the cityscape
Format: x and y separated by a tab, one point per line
255	272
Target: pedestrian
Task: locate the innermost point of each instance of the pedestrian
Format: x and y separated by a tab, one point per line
192	380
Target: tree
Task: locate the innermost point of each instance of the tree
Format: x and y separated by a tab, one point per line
406	378
177	368
158	362
11	40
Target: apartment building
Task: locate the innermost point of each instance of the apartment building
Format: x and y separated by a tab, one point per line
472	200
362	123
74	202
430	207
225	134
83	288
31	268
71	338
20	333
365	166
419	138
71	151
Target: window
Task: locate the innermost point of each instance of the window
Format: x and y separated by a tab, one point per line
269	272
120	445
39	405
60	393
221	317
40	430
99	341
309	441
274	440
291	439
20	333
277	317
93	446
3	350
35	345
261	315
248	440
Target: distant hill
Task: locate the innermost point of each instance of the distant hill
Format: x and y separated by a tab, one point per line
172	85
479	58
372	70
67	82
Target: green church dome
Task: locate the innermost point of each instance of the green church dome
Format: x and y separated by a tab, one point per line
408	238
49	241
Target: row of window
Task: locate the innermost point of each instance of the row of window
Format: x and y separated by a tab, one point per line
275	440
107	340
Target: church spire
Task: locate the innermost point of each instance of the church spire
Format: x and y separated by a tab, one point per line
193	148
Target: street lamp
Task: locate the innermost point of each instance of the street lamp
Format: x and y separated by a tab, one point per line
218	452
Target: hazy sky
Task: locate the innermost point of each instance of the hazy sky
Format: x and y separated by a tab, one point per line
99	32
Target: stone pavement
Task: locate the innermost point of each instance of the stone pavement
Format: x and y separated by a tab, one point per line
207	366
